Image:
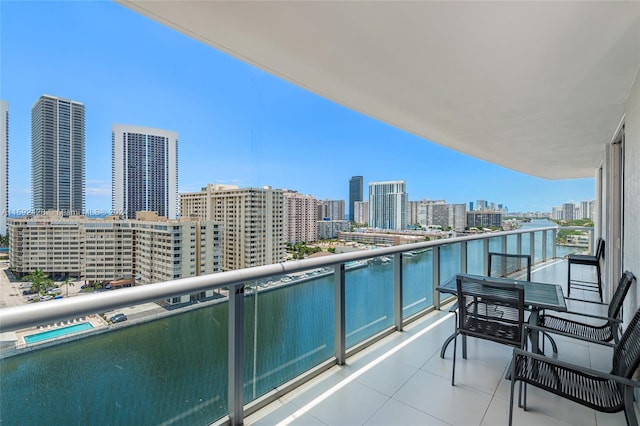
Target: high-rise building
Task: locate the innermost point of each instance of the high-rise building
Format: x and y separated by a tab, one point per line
568	208
586	208
331	209
482	205
355	194
412	212
144	171
361	212
4	165
57	155
252	221
388	205
300	213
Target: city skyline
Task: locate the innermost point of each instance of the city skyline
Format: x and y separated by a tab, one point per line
237	125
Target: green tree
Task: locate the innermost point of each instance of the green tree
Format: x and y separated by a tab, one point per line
39	281
67	282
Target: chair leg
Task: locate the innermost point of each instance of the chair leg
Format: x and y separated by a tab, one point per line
513	383
455	350
599	279
629	411
553	343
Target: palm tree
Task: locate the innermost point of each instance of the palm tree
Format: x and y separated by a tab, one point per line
68	283
39	281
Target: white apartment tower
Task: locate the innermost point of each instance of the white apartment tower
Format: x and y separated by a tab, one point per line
388	205
300	224
361	212
4	165
252	220
144	171
57	155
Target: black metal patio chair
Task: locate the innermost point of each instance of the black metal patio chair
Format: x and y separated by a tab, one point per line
489	310
607	392
606	333
588	260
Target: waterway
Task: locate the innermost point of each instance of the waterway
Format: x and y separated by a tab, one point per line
174	370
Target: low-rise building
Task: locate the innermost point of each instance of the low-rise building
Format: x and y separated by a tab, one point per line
329	229
150	248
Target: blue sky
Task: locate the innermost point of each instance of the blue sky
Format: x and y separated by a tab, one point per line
236	124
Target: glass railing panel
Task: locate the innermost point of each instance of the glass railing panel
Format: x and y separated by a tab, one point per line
368	298
526	243
417	279
475	257
550	244
171	370
495	244
288	328
512	244
537	257
449	261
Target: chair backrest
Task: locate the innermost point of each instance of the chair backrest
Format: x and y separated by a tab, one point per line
600	249
490	309
626	355
505	264
624	285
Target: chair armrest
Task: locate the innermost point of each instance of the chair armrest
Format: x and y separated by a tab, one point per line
576	367
586	301
582	314
454	307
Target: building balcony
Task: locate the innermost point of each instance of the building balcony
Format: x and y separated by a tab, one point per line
343	339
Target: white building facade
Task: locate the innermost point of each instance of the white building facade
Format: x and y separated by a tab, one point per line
388	205
57	155
252	221
144	171
299	218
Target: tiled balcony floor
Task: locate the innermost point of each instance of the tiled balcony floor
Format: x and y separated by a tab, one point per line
402	380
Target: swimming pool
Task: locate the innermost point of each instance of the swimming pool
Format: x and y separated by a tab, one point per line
50	334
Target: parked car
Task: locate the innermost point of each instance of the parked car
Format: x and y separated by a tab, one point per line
118	318
28	291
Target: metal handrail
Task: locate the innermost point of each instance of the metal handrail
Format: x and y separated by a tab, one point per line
17	317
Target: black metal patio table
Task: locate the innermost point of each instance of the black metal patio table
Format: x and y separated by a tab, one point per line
537	296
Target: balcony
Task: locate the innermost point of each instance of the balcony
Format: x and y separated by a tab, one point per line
346	350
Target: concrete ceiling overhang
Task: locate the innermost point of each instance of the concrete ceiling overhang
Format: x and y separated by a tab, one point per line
537	87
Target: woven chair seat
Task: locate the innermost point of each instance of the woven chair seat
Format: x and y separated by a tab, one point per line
600	333
594	392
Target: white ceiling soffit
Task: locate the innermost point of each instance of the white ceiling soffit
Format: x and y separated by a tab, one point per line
538	87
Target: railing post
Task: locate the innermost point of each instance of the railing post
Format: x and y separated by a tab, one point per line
485	248
397	290
339	314
544	246
435	260
463	257
519	244
503	249
553	246
236	354
532	247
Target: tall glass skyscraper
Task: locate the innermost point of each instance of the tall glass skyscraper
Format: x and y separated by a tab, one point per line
355	194
57	155
4	165
144	171
388	205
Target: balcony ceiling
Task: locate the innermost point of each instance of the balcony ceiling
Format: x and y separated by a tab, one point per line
538	87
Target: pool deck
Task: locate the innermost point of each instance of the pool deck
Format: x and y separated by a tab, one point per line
95	320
